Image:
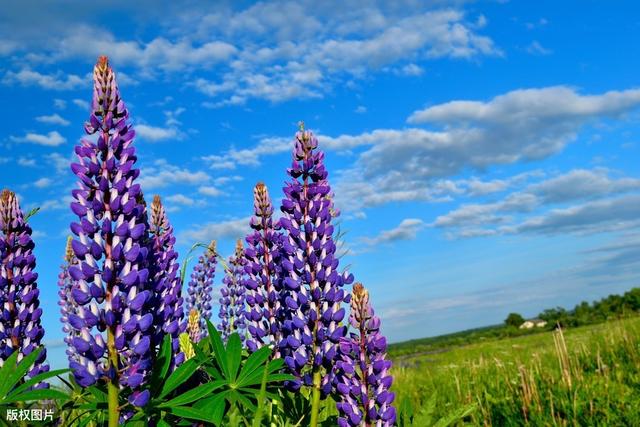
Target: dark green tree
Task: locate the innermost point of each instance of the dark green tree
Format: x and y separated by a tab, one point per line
514	319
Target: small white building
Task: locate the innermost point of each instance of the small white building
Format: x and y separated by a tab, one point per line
533	323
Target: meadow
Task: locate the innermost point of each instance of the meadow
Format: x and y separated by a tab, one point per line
581	376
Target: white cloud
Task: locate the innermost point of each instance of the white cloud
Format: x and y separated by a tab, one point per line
180	199
43	182
210	191
535	48
511	215
360	109
24	161
54	119
411	70
52	139
249	156
57	81
81	103
162	174
519	126
407	230
154	133
60	104
230	229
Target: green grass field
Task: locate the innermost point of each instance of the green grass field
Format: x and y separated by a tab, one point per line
582	376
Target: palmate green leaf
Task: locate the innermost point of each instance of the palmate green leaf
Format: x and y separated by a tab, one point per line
218	349
14	373
37	379
214	406
253	363
178	377
234	356
193	394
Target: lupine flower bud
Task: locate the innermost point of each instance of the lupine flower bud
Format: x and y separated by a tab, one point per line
186	346
20	327
111	281
199	291
362	377
193	325
264	283
232	315
312	283
165	279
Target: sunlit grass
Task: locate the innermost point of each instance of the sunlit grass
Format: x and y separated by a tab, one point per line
582	376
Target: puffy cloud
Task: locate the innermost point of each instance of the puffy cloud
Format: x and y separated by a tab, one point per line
43	182
230	229
598	212
154	133
162	174
407	230
54	119
57	81
210	191
51	139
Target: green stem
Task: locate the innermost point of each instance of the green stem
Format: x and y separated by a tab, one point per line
112	387
315	398
262	397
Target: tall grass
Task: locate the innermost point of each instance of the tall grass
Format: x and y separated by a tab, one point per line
577	377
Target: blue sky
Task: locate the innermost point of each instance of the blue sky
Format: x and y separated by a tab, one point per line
484	154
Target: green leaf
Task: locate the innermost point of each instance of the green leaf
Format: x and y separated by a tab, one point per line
164	361
37	395
178	377
6	372
218	348
214	406
99	395
234	355
163	423
253	363
20	370
31	213
37	379
193	394
190	413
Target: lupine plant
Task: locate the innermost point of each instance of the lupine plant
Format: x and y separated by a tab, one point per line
65	299
199	293
264	281
362	371
20	327
232	295
313	285
166	282
111	281
136	359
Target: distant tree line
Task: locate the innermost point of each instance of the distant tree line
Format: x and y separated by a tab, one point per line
611	307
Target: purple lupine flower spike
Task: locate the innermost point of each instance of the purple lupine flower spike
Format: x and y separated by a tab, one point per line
65	300
20	327
312	284
199	292
232	312
264	284
111	280
165	279
362	377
